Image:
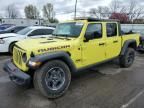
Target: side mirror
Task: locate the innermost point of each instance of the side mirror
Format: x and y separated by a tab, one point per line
89	36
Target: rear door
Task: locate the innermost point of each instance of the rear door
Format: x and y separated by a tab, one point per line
113	40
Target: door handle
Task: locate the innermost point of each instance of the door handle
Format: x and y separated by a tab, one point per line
101	44
116	41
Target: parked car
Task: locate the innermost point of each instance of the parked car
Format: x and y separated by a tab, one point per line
13	29
8	40
5	26
141	45
75	45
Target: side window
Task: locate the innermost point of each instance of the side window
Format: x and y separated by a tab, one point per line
111	29
17	29
37	32
48	31
95	30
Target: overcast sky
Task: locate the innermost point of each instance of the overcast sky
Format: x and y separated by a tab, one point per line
62	7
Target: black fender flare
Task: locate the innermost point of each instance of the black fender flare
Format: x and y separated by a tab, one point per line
60	55
126	45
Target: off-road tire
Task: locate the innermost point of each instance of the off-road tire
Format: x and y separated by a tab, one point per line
128	58
40	76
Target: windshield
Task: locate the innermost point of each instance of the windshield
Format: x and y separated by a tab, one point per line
72	29
24	31
10	28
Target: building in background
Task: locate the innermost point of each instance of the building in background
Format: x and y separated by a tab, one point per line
22	21
138	21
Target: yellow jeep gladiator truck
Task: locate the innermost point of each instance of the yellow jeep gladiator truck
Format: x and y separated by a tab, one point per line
75	45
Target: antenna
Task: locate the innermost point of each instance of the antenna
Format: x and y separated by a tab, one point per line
75	9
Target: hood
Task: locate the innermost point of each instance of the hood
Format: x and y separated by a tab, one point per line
7	35
39	44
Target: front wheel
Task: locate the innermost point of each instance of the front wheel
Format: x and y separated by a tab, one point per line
52	79
128	58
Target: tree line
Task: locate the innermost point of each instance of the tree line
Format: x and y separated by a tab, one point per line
32	12
126	12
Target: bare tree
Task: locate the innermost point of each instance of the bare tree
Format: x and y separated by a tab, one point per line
31	12
134	10
93	12
115	6
100	12
11	11
48	11
105	12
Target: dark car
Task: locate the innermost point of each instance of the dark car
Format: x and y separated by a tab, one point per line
5	26
141	46
13	29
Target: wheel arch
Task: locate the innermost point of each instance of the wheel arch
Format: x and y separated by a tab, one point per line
63	56
128	44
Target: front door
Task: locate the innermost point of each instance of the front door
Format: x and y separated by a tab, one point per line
93	51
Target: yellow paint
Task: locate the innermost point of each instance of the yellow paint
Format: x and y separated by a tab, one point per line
82	53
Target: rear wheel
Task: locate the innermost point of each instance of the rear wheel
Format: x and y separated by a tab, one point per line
127	59
52	79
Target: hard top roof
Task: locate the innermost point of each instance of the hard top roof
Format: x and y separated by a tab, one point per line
90	19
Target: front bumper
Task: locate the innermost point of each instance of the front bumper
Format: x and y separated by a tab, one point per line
16	75
4	48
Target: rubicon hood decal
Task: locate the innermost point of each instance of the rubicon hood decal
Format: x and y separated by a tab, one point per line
53	48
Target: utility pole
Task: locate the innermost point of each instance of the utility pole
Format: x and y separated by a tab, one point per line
75	9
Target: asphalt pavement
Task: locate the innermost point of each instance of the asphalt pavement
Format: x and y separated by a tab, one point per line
106	86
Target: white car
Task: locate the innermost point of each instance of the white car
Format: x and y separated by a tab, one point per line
8	40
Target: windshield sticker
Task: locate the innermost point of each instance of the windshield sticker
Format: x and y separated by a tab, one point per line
79	24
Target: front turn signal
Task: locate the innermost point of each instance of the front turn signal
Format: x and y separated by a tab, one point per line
34	64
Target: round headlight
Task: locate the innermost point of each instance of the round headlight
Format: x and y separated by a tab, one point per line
24	57
2	41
